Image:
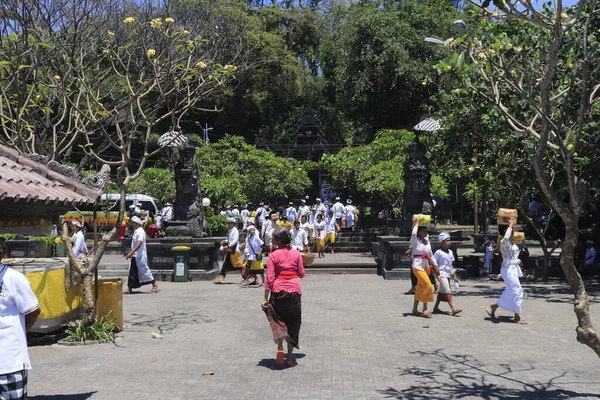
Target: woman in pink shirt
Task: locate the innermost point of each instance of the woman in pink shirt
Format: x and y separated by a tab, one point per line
282	302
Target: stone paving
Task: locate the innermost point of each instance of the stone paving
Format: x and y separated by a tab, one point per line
357	342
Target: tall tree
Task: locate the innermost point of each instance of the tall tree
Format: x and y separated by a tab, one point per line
537	69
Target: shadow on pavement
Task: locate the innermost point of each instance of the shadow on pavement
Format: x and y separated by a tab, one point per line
79	396
463	376
270	362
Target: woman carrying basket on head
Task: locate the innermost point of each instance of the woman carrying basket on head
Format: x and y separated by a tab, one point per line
282	302
422	259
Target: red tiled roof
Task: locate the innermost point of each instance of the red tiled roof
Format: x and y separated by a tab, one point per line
22	178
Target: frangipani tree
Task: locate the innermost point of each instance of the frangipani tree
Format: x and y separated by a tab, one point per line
98	77
537	67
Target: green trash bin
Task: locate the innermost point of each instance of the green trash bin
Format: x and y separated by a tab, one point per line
61	251
181	263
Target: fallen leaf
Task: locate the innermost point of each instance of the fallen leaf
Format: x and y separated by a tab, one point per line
425	326
180	368
154	360
208	373
347	329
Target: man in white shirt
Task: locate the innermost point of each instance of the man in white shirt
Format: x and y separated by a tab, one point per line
331	228
79	247
321	208
244	214
299	238
232	252
290	213
19	309
338	211
139	270
303	210
166	215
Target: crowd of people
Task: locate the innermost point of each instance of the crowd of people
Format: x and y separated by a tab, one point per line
312	228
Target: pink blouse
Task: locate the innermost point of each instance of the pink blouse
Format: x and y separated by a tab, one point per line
285	262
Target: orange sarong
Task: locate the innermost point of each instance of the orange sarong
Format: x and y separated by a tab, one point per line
424	289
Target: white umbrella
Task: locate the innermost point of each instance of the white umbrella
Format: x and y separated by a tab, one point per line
172	139
427	125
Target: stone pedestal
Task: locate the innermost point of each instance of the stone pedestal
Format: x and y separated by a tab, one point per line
392	260
205	256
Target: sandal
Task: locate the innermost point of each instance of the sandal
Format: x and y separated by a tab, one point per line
218	282
489	312
279	358
291	364
155	291
456	312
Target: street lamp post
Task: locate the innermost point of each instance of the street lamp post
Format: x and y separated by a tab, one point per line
460	26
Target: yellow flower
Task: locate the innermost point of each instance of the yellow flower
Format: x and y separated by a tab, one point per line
230	68
106	51
111	33
156	23
151	52
129	20
200	64
186	32
56	77
169	20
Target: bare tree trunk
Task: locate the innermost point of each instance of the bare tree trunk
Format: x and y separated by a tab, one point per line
586	334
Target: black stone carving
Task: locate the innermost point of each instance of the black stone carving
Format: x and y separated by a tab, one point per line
417	197
188	199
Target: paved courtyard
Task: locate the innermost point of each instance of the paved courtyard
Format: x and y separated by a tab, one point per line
357	341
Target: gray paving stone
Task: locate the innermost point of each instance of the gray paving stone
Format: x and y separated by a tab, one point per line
387	354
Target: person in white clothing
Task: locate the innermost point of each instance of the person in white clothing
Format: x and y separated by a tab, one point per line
512	296
331	228
350	216
230	248
321	208
303	210
244	214
166	215
338	211
444	258
422	262
139	271
19	309
254	264
290	213
299	237
79	247
268	228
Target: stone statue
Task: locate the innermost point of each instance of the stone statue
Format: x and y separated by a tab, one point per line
188	203
417	197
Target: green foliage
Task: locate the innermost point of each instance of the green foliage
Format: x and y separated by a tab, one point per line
7	236
100	329
155	182
46	241
374	170
216	222
231	171
374	61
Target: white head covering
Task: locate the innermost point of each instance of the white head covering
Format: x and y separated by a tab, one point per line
318	199
251	221
231	220
251	228
76	223
137	220
443	236
348	201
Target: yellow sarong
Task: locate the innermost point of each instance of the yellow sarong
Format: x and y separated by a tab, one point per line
257	265
320	244
424	289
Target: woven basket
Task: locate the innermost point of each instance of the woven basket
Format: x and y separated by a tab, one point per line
308	258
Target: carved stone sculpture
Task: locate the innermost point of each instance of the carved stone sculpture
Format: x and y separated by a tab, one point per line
188	203
417	197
